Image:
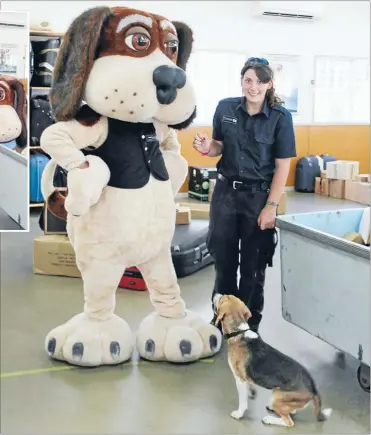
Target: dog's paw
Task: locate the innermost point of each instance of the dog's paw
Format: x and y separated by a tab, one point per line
86	342
177	340
237	415
272	420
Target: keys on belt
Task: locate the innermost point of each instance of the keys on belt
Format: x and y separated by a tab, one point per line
236	185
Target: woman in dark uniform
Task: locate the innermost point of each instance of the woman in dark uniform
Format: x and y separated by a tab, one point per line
254	136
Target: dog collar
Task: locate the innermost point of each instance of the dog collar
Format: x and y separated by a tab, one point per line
235	333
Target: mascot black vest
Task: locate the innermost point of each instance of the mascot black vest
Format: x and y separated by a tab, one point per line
132	153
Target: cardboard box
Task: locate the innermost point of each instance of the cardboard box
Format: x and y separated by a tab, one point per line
363	192
350	190
342	170
183	215
337	189
358	192
324	174
54	255
199	180
199	210
211	188
362	178
322	186
317	186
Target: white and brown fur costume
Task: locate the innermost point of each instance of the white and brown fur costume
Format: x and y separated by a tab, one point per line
110	59
12	112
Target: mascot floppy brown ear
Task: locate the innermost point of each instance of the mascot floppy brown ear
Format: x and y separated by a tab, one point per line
185	36
12	104
75	60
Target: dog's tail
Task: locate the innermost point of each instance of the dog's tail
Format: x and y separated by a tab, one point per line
321	414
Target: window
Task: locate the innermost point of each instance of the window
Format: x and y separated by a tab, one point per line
341	90
286	79
215	75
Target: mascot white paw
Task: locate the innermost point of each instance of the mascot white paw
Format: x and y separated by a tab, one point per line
87	342
177	340
85	185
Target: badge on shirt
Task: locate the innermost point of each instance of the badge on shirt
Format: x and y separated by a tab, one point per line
151	138
229	119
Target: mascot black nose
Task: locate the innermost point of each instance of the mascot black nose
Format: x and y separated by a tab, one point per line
167	80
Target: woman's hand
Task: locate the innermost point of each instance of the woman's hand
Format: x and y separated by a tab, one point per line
267	217
201	143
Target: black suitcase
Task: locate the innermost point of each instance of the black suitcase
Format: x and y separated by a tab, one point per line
307	169
327	159
188	248
44	59
54	225
40	117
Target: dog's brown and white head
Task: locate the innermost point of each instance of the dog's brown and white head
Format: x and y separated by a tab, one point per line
125	64
231	312
12	104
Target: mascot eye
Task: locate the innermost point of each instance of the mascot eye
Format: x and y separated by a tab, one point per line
138	42
171	48
2	95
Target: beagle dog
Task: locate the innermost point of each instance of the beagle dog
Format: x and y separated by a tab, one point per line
12	111
254	362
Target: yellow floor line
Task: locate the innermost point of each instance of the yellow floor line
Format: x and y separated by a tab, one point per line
61	368
36	371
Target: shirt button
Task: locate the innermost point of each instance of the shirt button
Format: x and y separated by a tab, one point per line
143	137
149	161
146	148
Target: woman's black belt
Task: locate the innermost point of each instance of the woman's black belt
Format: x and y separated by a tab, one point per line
258	186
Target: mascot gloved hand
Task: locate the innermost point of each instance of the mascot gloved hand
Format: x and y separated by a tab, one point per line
12	112
124	168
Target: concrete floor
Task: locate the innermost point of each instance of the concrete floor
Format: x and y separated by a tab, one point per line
150	397
7	223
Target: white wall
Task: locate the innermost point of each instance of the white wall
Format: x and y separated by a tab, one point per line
16	35
344	30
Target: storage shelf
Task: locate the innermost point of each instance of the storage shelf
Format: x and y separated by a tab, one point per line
47	33
42	34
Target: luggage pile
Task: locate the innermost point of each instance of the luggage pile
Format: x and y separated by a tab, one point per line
40	119
342	180
308	169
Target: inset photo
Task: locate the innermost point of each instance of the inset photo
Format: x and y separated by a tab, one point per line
14	126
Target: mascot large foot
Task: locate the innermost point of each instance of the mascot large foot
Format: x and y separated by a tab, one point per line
177	340
87	342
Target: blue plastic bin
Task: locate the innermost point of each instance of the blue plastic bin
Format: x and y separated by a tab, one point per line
326	279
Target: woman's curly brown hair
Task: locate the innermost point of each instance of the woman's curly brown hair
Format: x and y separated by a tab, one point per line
265	74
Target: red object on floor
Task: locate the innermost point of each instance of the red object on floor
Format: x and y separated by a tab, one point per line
133	280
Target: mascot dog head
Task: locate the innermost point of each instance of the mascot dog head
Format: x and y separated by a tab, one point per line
12	104
125	64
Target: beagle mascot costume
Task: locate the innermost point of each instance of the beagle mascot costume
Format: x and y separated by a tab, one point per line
119	94
13	112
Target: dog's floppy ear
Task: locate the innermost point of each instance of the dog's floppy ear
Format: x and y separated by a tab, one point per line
219	318
247	314
185	36
20	97
75	61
